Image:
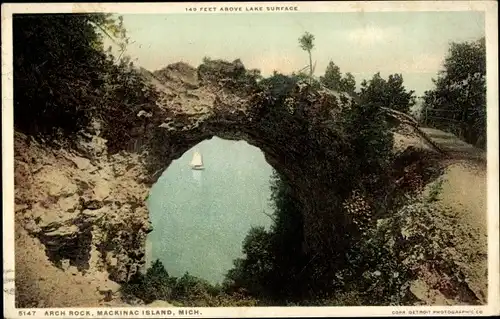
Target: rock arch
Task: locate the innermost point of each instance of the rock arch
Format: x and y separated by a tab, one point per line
196	104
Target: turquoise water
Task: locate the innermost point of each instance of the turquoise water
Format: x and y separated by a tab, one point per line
200	218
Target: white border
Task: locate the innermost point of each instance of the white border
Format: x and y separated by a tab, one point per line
490	9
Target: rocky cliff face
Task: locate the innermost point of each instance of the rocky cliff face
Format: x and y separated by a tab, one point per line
88	211
87	206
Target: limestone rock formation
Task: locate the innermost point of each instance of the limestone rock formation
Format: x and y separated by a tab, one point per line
87	205
86	211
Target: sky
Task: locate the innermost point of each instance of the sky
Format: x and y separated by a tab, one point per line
411	43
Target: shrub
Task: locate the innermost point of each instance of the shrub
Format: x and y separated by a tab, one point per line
187	290
435	190
156	284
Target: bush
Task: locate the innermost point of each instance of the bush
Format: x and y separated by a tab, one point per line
154	285
187	290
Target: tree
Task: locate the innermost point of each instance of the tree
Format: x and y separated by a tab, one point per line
155	284
64	79
458	102
255	271
57	63
334	81
274	257
306	43
332	78
348	83
157	270
387	93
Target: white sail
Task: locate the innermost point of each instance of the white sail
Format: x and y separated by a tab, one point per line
197	161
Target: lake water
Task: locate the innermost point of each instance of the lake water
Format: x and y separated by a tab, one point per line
200	218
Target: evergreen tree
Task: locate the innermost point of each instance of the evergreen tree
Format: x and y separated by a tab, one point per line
387	93
332	78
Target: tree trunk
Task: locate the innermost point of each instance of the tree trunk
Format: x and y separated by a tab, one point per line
310	68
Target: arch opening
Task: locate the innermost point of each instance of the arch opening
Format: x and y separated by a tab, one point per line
201	217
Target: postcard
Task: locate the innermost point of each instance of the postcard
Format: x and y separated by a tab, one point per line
250	159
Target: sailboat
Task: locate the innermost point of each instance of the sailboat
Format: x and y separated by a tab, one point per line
197	161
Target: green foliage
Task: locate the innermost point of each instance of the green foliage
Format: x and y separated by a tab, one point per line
376	270
348	83
277	266
371	147
306	41
253	271
429	240
57	59
157	271
387	93
457	104
333	79
64	80
435	190
279	86
273	259
187	290
154	285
